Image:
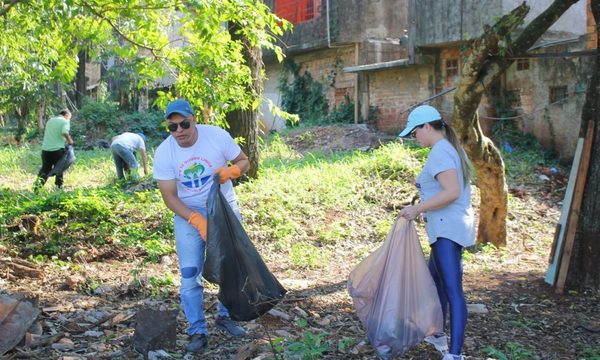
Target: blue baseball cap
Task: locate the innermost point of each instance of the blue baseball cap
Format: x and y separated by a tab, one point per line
179	106
419	116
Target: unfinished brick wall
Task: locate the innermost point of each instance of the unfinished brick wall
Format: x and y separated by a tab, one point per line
395	90
532	84
326	67
551	95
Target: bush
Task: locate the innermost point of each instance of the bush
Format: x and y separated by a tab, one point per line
103	120
96	120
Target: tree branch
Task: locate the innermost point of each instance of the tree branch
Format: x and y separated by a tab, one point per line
5	10
121	34
528	37
470	88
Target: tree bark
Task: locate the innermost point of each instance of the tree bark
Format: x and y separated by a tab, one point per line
482	67
81	81
22	113
584	265
41	109
244	122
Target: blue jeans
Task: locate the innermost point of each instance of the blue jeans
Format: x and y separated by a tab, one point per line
124	160
191	251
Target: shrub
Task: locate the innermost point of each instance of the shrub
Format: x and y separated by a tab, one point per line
103	120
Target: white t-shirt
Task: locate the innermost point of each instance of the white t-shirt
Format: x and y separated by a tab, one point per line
454	221
193	167
130	141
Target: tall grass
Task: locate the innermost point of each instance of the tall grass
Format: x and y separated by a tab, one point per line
326	201
19	167
305	205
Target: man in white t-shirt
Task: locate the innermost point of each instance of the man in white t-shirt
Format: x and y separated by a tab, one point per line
123	148
184	165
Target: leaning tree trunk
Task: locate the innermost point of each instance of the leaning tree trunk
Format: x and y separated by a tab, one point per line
41	109
22	114
81	81
482	67
243	122
584	265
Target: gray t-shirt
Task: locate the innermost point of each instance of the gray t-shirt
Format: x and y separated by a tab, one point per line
130	141
455	221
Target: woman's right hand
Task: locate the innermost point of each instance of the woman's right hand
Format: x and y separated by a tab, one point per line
410	212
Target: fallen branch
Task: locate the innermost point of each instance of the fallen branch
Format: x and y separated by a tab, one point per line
21	268
46	340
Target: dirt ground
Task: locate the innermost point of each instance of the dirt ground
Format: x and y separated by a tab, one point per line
523	313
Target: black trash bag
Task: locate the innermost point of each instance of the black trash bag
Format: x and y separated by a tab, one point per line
247	287
64	162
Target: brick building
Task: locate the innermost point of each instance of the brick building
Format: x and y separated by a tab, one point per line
391	54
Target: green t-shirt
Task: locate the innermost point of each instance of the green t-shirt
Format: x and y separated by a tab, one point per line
53	135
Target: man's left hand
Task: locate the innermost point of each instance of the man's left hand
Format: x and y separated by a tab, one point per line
228	173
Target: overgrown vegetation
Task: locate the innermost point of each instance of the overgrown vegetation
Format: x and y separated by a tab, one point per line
522	153
293	213
102	120
305	96
302	211
77	223
512	351
304	205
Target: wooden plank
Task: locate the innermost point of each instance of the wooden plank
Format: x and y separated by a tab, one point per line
575	208
557	245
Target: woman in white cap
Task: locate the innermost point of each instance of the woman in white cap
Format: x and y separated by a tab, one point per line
444	186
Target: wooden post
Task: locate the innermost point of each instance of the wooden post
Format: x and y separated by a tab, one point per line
356	102
559	236
575	208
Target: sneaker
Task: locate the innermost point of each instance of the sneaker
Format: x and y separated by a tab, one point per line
449	356
226	324
439	341
197	343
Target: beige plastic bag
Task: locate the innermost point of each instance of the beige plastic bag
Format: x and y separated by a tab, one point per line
394	294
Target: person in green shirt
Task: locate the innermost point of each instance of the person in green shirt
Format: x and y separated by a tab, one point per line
56	138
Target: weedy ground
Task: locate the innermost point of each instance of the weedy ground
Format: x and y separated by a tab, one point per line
318	208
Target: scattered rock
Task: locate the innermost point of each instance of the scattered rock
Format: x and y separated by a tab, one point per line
64	344
252	326
155	329
158	354
73	282
16	316
279	314
324	322
360	348
99	347
103	290
476	309
120	317
283	333
92	333
300	312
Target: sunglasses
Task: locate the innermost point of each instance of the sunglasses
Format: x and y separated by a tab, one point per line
185	124
413	133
